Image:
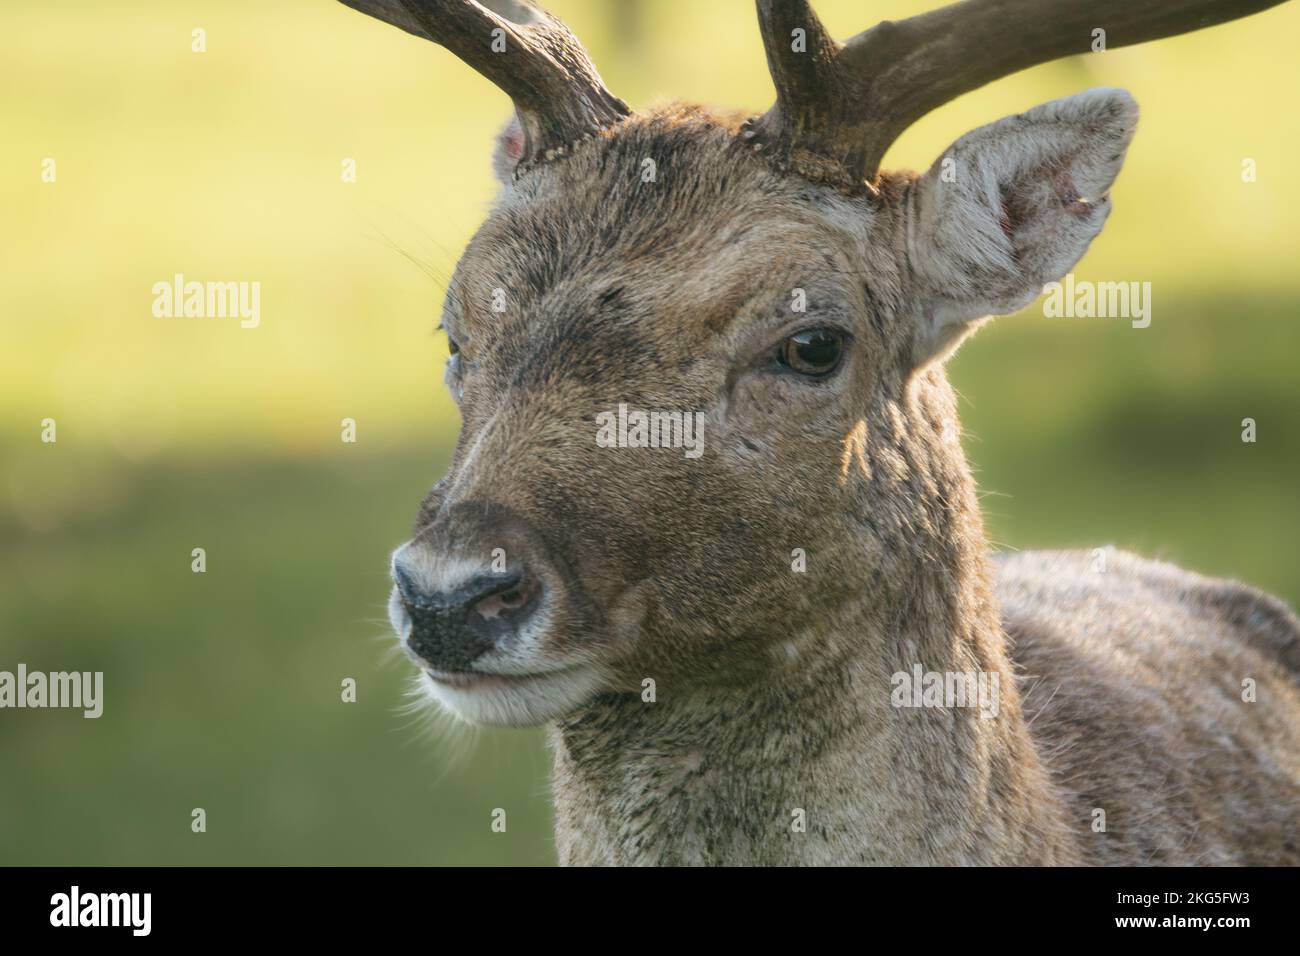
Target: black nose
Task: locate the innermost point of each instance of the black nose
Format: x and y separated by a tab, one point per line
451	629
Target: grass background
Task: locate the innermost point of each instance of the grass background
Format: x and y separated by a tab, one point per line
223	689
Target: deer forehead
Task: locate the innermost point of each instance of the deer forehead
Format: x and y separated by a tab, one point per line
596	245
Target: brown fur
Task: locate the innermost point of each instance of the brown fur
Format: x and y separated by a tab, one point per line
772	686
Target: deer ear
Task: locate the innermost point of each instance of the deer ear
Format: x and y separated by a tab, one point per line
509	149
1010	207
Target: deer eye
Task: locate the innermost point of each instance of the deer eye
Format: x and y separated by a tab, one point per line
452	376
815	352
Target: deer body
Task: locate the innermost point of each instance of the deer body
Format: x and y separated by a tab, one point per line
710	700
717	780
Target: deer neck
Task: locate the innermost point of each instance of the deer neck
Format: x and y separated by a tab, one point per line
829	758
816	765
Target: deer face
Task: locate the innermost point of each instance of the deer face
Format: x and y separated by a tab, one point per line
717	293
786	333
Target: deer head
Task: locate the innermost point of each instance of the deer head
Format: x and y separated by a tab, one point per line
761	280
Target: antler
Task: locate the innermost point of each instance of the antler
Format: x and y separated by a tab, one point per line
543	68
840	106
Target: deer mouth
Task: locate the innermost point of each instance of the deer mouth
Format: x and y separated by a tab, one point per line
485	681
511	700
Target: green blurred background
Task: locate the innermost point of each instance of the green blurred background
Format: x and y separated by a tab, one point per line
223	689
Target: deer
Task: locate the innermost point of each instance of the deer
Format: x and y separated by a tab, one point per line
757	655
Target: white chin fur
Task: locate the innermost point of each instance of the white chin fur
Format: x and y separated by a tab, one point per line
517	702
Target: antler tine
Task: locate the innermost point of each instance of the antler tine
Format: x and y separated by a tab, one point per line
802	73
839	108
545	71
805	125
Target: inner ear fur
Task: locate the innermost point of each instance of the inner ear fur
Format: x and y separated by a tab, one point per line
1010	207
